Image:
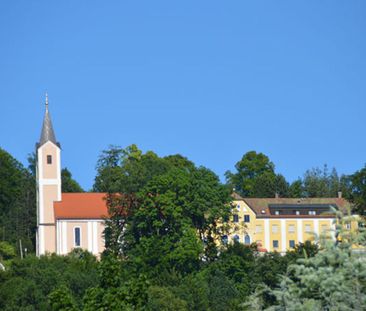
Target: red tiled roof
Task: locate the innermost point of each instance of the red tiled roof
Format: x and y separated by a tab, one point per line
81	206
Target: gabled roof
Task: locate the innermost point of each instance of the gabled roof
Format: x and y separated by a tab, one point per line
261	206
47	134
81	206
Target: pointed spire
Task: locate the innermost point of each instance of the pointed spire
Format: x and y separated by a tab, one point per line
46	101
47	129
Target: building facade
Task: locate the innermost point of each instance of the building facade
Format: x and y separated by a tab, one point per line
278	224
76	220
64	220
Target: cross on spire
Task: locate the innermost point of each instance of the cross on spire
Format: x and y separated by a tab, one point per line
46	101
47	133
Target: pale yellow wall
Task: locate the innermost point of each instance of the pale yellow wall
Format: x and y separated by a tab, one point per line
244	228
259	237
323	224
308	235
291	235
283	238
275	236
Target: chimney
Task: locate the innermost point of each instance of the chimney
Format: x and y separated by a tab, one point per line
339	194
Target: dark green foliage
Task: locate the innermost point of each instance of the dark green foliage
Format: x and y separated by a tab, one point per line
296	189
165	225
35	283
61	299
127	170
358	191
68	184
255	177
252	166
7	251
162	299
320	183
17	203
268	184
161	253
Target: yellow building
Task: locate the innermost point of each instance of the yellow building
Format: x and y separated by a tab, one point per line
278	224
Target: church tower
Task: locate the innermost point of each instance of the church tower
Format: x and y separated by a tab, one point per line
48	153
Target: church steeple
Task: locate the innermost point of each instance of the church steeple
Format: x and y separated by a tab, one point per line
47	133
48	186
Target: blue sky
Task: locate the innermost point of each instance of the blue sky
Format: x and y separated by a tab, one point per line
207	79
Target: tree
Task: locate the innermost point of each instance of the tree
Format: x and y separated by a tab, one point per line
320	183
38	283
333	279
268	184
255	177
61	299
17	202
251	165
68	184
176	217
160	207
296	189
358	190
126	170
162	299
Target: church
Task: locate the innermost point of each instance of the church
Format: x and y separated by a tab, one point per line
76	220
64	220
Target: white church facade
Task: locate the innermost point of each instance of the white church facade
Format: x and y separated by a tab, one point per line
64	220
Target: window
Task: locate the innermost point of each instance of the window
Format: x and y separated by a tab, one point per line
236	238
312	212
277	212
235	218
224	239
291	228
292	243
77	235
307	228
247	239
238	207
275	243
274	229
297	212
49	159
348	226
258	229
246	218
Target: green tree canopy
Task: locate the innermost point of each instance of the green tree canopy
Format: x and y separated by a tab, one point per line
172	220
321	183
255	177
358	190
128	170
68	184
17	202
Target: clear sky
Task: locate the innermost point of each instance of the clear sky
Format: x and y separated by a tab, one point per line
210	80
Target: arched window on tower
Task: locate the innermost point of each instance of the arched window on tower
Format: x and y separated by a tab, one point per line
247	239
